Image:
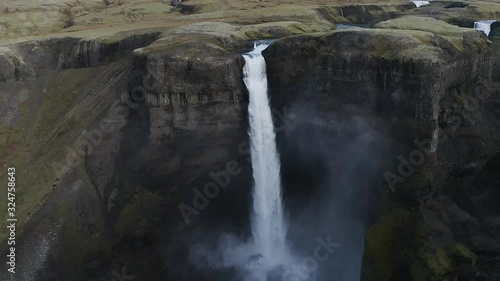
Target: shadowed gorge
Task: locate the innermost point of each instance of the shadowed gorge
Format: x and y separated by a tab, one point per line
250	140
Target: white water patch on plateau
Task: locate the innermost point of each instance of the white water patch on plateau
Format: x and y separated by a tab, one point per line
484	26
421	3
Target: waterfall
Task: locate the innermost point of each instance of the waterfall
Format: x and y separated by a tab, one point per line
266	255
421	3
268	224
484	26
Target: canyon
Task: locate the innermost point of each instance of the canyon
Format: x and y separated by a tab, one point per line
388	135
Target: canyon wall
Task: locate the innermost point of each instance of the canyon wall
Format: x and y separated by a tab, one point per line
431	92
138	132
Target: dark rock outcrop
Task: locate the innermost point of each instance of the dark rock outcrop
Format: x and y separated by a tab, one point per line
495	32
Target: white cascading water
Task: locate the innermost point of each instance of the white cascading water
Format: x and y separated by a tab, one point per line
484	26
266	256
421	3
268	223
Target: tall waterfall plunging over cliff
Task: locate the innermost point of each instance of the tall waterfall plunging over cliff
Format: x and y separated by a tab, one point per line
265	256
484	26
268	224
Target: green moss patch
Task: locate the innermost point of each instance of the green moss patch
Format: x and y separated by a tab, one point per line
386	243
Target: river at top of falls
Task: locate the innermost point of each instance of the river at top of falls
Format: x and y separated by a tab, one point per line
268	223
484	26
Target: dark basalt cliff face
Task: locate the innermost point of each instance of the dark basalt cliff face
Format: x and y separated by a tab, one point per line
434	95
155	124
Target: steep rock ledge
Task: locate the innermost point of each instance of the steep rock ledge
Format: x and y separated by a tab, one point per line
39	57
194	72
